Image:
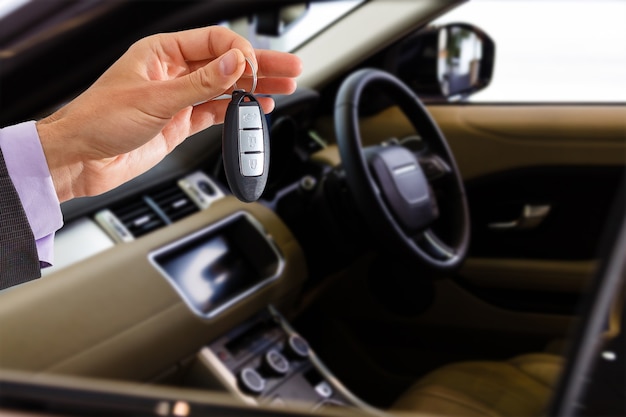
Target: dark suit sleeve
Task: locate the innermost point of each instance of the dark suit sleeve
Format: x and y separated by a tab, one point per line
19	261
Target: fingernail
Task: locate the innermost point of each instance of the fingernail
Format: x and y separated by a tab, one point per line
229	63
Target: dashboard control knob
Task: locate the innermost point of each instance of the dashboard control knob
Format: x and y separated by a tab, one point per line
297	347
251	381
275	362
308	183
324	389
207	188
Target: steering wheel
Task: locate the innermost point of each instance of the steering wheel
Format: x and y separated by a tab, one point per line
415	199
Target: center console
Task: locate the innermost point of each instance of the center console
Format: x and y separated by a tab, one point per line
264	361
227	268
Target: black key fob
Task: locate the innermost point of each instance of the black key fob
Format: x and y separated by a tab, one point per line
245	147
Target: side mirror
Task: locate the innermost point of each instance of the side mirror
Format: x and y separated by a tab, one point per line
450	62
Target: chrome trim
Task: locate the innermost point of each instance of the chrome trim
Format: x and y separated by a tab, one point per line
404	169
531	217
326	373
189	185
324	389
317	139
113	226
434	241
227	378
206	231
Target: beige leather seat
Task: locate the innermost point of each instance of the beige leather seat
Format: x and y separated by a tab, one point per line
521	386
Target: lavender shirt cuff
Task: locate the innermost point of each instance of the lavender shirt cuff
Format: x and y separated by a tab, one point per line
28	169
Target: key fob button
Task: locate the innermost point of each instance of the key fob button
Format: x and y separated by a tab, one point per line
249	117
250	141
252	164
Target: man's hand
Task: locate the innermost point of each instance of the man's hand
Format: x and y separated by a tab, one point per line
146	104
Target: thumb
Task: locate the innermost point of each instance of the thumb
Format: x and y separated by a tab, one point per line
207	82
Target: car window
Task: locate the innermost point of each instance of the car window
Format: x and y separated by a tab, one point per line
9	6
551	50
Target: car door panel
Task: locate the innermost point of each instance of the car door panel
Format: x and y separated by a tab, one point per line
569	158
519	136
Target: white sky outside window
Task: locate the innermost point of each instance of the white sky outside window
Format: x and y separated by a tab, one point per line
551	50
7	6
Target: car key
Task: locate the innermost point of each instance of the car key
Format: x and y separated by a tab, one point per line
245	146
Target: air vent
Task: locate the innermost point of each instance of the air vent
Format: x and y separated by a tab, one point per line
138	217
146	213
173	202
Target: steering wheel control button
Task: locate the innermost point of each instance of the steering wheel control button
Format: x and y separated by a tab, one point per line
251	381
298	347
434	167
324	389
245	147
275	362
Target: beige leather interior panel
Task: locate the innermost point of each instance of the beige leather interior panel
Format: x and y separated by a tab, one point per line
327	156
508	137
120	317
487	139
527	274
469	312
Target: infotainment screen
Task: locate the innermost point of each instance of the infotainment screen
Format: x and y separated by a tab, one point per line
215	268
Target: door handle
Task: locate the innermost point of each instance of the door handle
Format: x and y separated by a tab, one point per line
531	217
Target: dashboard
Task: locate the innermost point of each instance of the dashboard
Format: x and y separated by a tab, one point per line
177	260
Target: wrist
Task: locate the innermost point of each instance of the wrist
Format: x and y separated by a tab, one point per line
58	157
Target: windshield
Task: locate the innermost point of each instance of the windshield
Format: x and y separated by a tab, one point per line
319	16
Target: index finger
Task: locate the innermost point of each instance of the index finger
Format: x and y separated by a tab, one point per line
272	64
277	64
210	42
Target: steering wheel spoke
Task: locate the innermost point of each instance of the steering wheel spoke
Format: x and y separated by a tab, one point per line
434	166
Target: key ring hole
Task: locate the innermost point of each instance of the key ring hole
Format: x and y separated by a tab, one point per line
254	76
